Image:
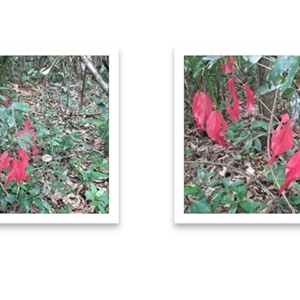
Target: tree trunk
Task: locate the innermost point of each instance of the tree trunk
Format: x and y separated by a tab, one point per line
268	98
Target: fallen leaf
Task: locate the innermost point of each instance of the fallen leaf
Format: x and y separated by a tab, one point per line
47	157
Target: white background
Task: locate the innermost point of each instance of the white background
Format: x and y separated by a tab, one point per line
146	256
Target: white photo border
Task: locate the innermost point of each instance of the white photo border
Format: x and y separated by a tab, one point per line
179	216
113	216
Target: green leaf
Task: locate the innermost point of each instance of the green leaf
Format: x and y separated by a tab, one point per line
39	203
251	60
99	175
11	121
227	200
237	183
213	59
225	181
21	106
241	192
95	121
65	210
25	141
4	205
264	89
47	206
104	198
216	203
260	124
212	183
30	71
191	190
35	191
3	113
281	65
200	207
233	209
248	145
247	206
10	198
25	203
200	174
89	195
93	188
97	100
257	145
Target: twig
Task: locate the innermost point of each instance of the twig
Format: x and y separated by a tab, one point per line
269	155
4	189
237	170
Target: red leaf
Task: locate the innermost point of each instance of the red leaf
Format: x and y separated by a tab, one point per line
292	171
216	127
202	108
250	97
27	124
24	156
228	68
282	138
234	111
34	149
28	129
4	161
17	171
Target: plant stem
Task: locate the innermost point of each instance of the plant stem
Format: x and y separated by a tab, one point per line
4	189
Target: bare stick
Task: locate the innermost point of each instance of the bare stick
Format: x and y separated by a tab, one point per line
95	74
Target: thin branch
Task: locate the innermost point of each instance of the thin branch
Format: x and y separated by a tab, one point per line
96	75
263	66
4	189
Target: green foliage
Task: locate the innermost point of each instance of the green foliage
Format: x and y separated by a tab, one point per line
247	137
220	195
99	198
283	64
251	61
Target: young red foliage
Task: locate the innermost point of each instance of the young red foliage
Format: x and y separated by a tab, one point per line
216	127
24	156
282	138
4	161
202	108
250	98
228	68
28	129
17	171
18	166
34	149
292	171
234	111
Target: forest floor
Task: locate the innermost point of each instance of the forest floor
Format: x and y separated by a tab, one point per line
72	147
234	162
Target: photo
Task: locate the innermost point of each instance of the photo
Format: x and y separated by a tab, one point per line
55	132
241	134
